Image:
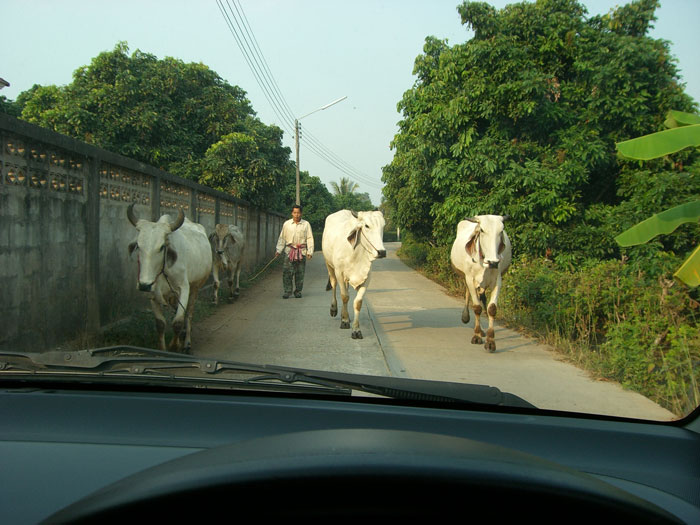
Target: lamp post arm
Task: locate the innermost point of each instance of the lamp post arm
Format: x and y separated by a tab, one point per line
296	139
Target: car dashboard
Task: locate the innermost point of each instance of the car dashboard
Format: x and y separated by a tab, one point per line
79	455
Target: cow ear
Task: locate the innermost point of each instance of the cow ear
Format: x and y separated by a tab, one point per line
471	243
171	256
132	247
354	237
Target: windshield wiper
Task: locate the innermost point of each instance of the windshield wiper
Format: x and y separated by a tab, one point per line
120	360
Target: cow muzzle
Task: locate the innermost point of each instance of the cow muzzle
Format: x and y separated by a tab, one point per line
381	254
145	287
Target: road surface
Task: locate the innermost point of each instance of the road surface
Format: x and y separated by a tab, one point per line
412	329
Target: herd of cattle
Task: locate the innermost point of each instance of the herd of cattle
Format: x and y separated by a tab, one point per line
176	257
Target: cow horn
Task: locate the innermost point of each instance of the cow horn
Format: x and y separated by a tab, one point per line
133	219
354	213
472	219
178	222
504	218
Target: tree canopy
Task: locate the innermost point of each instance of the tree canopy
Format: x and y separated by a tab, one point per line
177	116
522	120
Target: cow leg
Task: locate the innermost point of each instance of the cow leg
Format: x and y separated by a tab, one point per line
188	319
179	319
357	305
229	276
160	322
476	302
237	291
345	297
465	311
332	279
492	310
215	274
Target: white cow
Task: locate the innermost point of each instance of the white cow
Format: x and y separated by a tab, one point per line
227	244
481	253
351	241
174	261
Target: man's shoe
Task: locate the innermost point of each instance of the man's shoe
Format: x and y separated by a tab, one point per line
285	296
297	294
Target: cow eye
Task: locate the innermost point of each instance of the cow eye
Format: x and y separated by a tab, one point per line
367	226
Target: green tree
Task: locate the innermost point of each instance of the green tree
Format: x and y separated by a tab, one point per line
156	111
251	165
9	107
346	197
176	116
523	119
345	186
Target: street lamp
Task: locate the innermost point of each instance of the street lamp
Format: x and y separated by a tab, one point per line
296	137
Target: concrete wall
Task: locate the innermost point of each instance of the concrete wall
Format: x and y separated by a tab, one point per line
64	264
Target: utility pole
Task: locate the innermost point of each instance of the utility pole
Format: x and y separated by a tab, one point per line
296	144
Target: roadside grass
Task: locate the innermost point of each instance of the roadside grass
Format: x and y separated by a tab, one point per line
616	323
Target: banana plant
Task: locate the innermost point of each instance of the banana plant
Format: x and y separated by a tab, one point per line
683	132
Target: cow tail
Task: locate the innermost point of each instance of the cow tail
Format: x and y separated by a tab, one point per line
328	286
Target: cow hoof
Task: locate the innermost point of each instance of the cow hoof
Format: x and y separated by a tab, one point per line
476	340
237	292
465	316
490	346
344	324
334	311
356	335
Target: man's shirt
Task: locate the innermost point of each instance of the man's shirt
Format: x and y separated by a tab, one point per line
296	233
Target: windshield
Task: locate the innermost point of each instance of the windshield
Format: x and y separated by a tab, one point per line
443	191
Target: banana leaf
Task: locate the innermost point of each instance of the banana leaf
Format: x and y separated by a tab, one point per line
689	272
664	222
675	119
661	143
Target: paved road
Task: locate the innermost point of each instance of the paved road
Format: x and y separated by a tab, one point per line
411	328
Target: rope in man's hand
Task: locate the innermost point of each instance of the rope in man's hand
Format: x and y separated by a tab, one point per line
263	269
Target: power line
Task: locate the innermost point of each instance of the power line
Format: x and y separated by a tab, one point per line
263	76
321	150
250	64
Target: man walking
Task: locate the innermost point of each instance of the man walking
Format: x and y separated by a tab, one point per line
297	243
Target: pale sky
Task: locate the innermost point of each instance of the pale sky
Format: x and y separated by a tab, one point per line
316	50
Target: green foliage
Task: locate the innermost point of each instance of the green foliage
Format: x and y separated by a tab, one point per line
684	132
622	323
345	186
346	197
523	119
9	107
179	117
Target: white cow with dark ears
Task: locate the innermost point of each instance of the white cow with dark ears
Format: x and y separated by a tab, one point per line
481	253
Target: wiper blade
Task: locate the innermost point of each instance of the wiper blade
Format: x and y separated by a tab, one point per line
423	390
114	361
136	360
